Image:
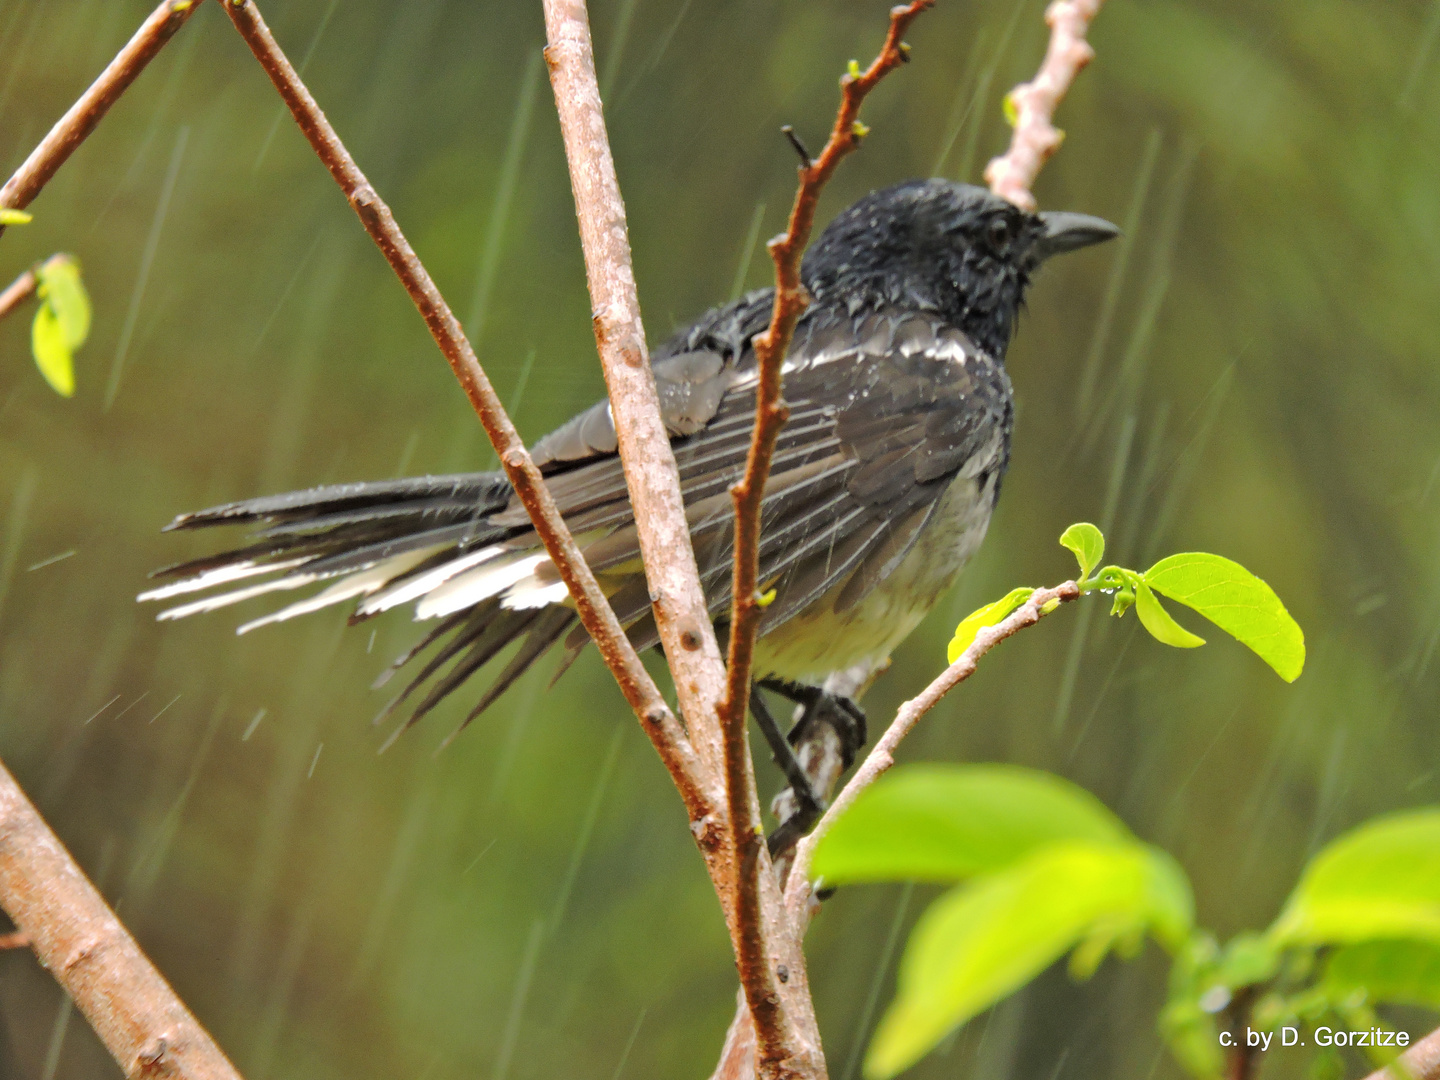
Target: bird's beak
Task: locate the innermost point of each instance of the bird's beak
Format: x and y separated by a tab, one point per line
1065	231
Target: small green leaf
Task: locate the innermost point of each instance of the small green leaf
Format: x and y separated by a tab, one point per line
1158	621
1248	960
1380	881
11	216
1088	544
949	822
1011	110
52	353
981	942
988	615
61	286
1236	601
1388	972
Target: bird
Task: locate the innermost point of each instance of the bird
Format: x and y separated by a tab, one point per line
882	486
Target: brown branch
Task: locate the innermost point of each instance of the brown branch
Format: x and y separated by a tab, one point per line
753	942
1420	1062
1040	604
1035	138
681	615
76	936
80	120
594	609
18	291
820	752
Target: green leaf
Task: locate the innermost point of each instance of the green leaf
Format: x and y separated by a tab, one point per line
1236	601
1011	110
11	216
1390	972
52	354
1247	960
949	822
61	286
981	942
1158	621
1379	881
988	615
1088	544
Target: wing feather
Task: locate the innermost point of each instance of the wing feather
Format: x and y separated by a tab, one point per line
886	410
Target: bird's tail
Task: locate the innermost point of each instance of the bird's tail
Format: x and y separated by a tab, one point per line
453	545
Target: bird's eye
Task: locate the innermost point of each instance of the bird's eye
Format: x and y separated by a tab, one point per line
999	232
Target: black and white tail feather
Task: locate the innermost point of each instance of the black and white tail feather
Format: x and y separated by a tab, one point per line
896	390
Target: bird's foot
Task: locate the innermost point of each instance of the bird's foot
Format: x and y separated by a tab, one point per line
828	732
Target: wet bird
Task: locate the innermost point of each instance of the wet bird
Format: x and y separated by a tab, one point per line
882	487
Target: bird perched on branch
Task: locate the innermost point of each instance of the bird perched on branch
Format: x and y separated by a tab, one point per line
883	482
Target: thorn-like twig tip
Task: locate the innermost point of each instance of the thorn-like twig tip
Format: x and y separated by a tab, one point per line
789	133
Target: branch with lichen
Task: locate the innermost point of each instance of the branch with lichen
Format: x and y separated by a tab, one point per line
1031	106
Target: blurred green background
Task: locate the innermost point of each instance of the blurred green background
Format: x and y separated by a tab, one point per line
1252	371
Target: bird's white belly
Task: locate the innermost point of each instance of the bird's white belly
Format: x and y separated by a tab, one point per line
819	641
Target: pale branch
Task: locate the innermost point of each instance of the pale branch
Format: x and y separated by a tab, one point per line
1033	104
18	291
882	756
80	120
757	970
75	935
677	598
594	609
1420	1062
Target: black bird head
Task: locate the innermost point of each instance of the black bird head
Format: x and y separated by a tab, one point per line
952	248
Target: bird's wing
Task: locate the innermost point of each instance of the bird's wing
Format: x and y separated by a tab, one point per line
885	411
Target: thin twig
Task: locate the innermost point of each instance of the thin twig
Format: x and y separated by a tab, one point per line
594	609
1040	604
1420	1062
757	972
76	936
15	939
80	120
680	611
18	291
677	599
1012	175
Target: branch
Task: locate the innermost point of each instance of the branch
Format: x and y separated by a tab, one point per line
75	935
678	601
18	291
73	128
594	609
1420	1062
757	972
1041	603
1012	175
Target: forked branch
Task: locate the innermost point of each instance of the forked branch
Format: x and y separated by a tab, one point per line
595	612
1032	105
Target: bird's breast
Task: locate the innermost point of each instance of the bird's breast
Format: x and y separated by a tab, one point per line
821	640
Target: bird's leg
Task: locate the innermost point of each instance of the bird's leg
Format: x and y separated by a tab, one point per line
828	732
783	754
819	704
